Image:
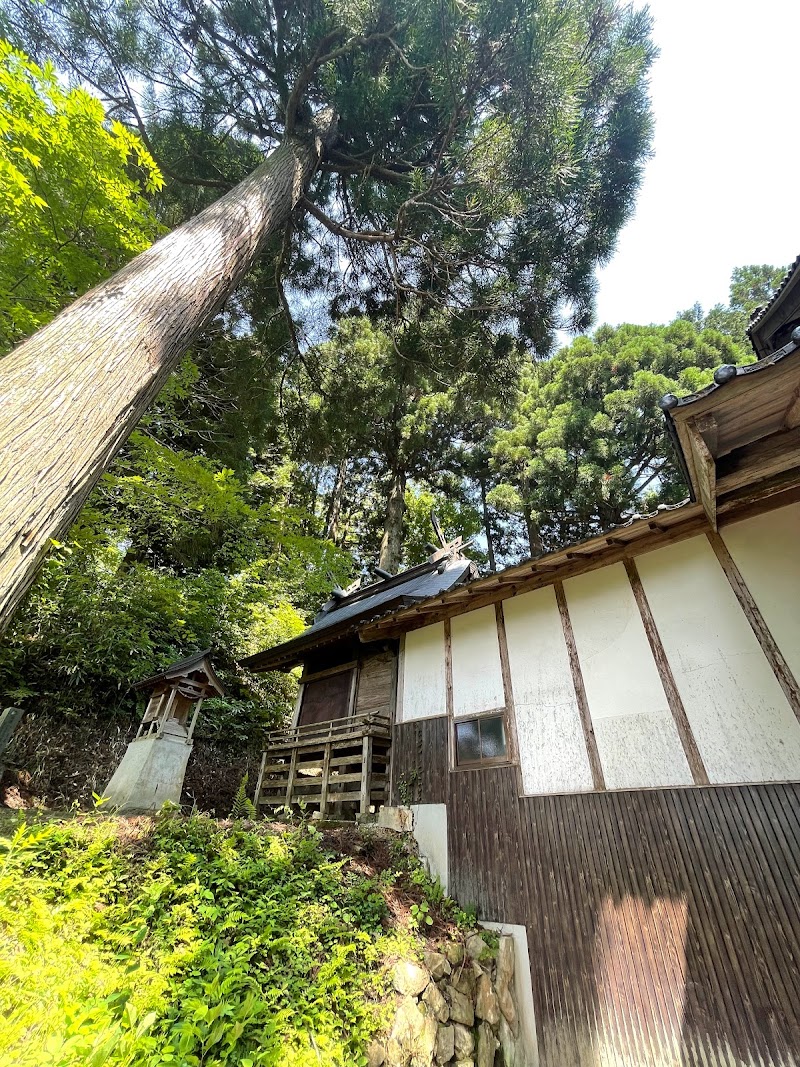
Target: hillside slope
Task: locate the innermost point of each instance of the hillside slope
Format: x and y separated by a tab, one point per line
187	941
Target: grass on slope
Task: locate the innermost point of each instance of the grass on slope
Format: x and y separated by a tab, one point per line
184	941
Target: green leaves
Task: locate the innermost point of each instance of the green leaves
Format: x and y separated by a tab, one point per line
71	204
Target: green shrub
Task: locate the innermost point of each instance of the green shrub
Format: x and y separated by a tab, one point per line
176	941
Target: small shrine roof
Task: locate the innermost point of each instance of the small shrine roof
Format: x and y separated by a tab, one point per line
197	663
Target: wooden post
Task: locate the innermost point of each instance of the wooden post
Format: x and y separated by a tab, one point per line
758	624
193	723
676	707
166	711
326	769
366	773
257	793
580	690
9	721
290	783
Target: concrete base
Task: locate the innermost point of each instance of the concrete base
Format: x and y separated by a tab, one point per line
151	773
430	833
523	988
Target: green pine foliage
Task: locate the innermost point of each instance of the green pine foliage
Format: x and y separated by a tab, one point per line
180	941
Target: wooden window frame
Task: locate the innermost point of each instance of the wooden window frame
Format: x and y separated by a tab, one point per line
493	761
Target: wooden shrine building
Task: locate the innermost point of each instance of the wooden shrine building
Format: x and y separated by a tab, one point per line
335	755
602	745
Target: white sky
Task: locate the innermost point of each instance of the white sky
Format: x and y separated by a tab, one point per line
721	189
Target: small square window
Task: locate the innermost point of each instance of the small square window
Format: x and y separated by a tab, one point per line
468	742
481	740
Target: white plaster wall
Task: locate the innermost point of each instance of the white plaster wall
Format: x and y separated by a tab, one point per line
552	748
423	673
523	987
430	833
636	735
741	720
766	549
477	675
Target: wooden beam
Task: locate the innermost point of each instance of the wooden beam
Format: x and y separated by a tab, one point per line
706	426
326	770
448	692
512	741
767	458
366	774
705	469
792	416
260	779
734	503
775	658
580	689
290	783
676	706
340	669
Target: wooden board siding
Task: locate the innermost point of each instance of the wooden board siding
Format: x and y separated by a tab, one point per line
663	924
376	680
482	825
419	762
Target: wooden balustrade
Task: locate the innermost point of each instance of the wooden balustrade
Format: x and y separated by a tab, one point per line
327	765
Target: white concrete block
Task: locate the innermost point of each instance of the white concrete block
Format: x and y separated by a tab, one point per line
151	773
430	833
523	987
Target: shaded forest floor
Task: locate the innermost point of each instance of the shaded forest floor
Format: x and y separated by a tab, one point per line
55	763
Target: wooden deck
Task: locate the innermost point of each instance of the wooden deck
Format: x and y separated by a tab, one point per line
328	765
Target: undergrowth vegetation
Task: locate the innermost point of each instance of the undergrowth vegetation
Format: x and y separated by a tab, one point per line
184	941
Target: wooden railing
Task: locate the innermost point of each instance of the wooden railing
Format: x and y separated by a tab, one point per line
327	765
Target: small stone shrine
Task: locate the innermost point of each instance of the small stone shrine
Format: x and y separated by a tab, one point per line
153	767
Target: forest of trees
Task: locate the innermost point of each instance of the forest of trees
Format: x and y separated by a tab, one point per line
391	348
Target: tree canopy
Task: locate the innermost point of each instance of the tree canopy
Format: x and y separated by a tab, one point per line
487	153
587	441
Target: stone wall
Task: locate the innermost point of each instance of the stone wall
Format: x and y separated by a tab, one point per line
459	1007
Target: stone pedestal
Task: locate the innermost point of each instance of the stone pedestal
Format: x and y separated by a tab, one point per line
151	772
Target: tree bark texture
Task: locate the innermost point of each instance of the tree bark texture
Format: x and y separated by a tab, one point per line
532	529
71	395
392	540
487	525
335	504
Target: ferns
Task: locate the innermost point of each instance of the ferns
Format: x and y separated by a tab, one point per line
243	807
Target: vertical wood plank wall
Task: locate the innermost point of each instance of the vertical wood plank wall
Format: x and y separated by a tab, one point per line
663	917
662	924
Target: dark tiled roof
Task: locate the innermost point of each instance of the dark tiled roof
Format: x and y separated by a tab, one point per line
725	374
759	314
417	586
370	602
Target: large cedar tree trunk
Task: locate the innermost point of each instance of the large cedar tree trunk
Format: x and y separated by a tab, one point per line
335	504
534	534
392	541
71	395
